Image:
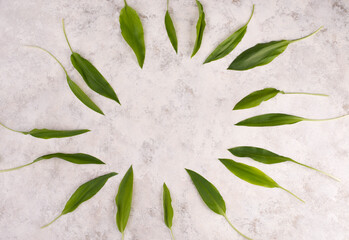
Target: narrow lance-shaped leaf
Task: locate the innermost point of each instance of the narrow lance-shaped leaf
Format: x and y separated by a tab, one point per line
78	92
228	45
257	97
200	27
93	78
132	32
262	54
84	193
252	175
171	31
77	158
168	210
277	119
267	157
123	201
211	196
47	133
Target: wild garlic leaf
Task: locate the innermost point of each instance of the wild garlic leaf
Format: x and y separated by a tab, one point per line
255	98
252	175
78	92
167	204
276	119
123	200
47	133
132	32
171	31
229	44
210	195
262	54
77	158
258	154
168	210
267	157
200	27
81	95
93	78
84	193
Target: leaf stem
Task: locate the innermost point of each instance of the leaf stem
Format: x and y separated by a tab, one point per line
326	119
226	218
173	238
65	35
33	46
306	93
251	15
52	221
311	34
10	128
15	168
122	235
327	174
125	2
291	194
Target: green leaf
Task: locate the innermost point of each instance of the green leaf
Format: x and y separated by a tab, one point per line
171	31
200	27
252	175
132	31
211	197
258	154
262	54
256	98
270	119
208	193
77	158
84	193
47	133
123	200
78	92
277	119
93	78
267	157
229	44
249	174
167	203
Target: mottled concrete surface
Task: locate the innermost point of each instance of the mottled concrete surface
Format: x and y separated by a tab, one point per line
175	113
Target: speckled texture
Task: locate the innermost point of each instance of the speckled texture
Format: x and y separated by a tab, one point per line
175	113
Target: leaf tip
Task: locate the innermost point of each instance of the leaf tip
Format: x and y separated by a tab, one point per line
130	169
117	100
207	60
164	185
113	174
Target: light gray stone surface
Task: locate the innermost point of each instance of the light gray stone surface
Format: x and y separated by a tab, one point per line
175	114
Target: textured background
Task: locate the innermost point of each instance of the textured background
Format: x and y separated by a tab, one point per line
175	113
